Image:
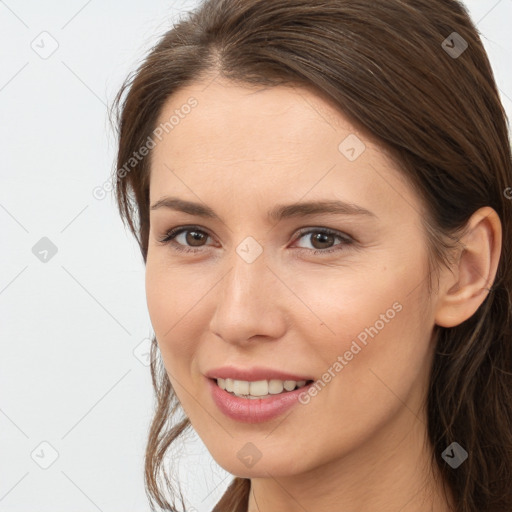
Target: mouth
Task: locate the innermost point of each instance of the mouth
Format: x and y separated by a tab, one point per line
259	389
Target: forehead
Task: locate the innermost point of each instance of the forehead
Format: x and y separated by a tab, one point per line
292	112
267	142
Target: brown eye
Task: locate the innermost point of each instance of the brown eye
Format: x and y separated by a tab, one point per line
185	239
323	240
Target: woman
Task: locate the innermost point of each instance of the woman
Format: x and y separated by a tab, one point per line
321	195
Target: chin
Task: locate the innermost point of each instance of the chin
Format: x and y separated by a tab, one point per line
278	464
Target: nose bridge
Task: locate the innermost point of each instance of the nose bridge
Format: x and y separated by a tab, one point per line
247	302
245	282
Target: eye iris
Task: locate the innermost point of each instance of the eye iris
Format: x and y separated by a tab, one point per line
322	237
193	237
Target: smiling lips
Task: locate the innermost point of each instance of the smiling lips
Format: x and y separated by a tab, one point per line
255	394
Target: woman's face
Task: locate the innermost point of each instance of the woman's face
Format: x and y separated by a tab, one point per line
336	297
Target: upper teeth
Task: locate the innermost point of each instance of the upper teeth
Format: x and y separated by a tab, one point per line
259	387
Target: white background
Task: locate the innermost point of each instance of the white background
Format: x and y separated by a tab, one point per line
69	327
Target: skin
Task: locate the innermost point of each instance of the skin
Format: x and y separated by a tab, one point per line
361	443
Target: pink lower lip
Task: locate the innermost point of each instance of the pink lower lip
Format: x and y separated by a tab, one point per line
248	410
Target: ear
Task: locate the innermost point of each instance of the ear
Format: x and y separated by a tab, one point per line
464	289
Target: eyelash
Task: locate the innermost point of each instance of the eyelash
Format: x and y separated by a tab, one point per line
173	233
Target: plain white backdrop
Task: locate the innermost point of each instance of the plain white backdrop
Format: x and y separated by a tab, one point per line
75	389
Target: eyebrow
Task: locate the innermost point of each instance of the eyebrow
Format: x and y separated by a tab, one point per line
278	213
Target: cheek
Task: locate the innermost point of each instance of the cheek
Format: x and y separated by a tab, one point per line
377	320
169	304
384	344
159	298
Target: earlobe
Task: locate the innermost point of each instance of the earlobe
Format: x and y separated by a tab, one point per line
465	288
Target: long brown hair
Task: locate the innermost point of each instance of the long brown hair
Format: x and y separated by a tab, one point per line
390	66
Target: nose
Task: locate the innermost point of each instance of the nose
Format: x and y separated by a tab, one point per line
250	303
